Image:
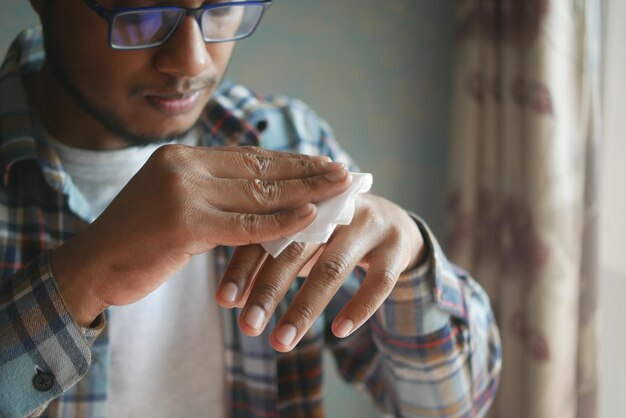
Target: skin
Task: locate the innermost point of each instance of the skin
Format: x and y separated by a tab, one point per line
84	77
186	201
382	239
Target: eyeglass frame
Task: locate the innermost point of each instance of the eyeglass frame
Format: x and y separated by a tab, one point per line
110	14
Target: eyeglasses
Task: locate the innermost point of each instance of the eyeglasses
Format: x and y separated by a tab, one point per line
147	27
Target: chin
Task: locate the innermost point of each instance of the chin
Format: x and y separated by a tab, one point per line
164	133
164	126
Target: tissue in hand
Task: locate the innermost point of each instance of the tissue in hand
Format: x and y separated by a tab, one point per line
337	210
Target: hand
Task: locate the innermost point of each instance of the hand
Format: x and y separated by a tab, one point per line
185	201
382	239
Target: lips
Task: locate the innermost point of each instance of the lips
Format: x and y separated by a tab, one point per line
174	104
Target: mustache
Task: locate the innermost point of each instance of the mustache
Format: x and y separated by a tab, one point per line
176	85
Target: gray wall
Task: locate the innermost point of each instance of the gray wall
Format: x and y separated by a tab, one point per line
378	71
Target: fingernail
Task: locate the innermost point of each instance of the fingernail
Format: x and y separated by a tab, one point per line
229	292
304	211
254	317
337	174
323	158
344	328
286	334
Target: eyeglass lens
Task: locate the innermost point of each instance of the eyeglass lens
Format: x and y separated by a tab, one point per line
147	28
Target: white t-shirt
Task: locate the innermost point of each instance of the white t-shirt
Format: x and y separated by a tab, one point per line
166	349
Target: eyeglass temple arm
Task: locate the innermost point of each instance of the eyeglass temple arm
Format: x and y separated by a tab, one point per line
96	7
106	14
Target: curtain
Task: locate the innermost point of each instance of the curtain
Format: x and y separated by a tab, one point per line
522	206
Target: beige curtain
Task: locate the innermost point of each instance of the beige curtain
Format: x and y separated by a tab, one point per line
522	213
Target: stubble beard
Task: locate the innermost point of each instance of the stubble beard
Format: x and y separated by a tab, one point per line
109	120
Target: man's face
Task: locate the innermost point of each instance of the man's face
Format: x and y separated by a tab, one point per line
142	96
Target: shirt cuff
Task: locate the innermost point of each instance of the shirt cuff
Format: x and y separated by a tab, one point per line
44	351
89	333
425	298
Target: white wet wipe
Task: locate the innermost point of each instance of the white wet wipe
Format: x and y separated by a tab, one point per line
337	210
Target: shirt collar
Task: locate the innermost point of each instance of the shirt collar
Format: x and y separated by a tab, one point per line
231	117
18	127
227	122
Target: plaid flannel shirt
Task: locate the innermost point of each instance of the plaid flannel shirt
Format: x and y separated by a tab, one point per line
431	350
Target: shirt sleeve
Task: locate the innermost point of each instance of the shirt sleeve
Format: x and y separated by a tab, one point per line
433	347
43	352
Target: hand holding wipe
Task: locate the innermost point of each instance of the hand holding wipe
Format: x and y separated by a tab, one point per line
337	210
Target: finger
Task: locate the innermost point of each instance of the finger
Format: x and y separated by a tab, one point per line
325	279
257	163
251	149
383	274
270	286
306	270
260	196
341	255
237	280
236	229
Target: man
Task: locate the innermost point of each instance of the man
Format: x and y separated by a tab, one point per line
125	197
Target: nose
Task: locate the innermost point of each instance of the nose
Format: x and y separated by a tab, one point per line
185	53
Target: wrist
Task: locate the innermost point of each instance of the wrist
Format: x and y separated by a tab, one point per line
419	248
77	293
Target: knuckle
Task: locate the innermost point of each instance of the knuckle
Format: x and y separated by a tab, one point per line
332	267
170	162
239	271
375	220
257	163
279	221
387	281
169	154
266	293
247	223
304	312
304	165
295	251
396	234
263	192
310	184
366	309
